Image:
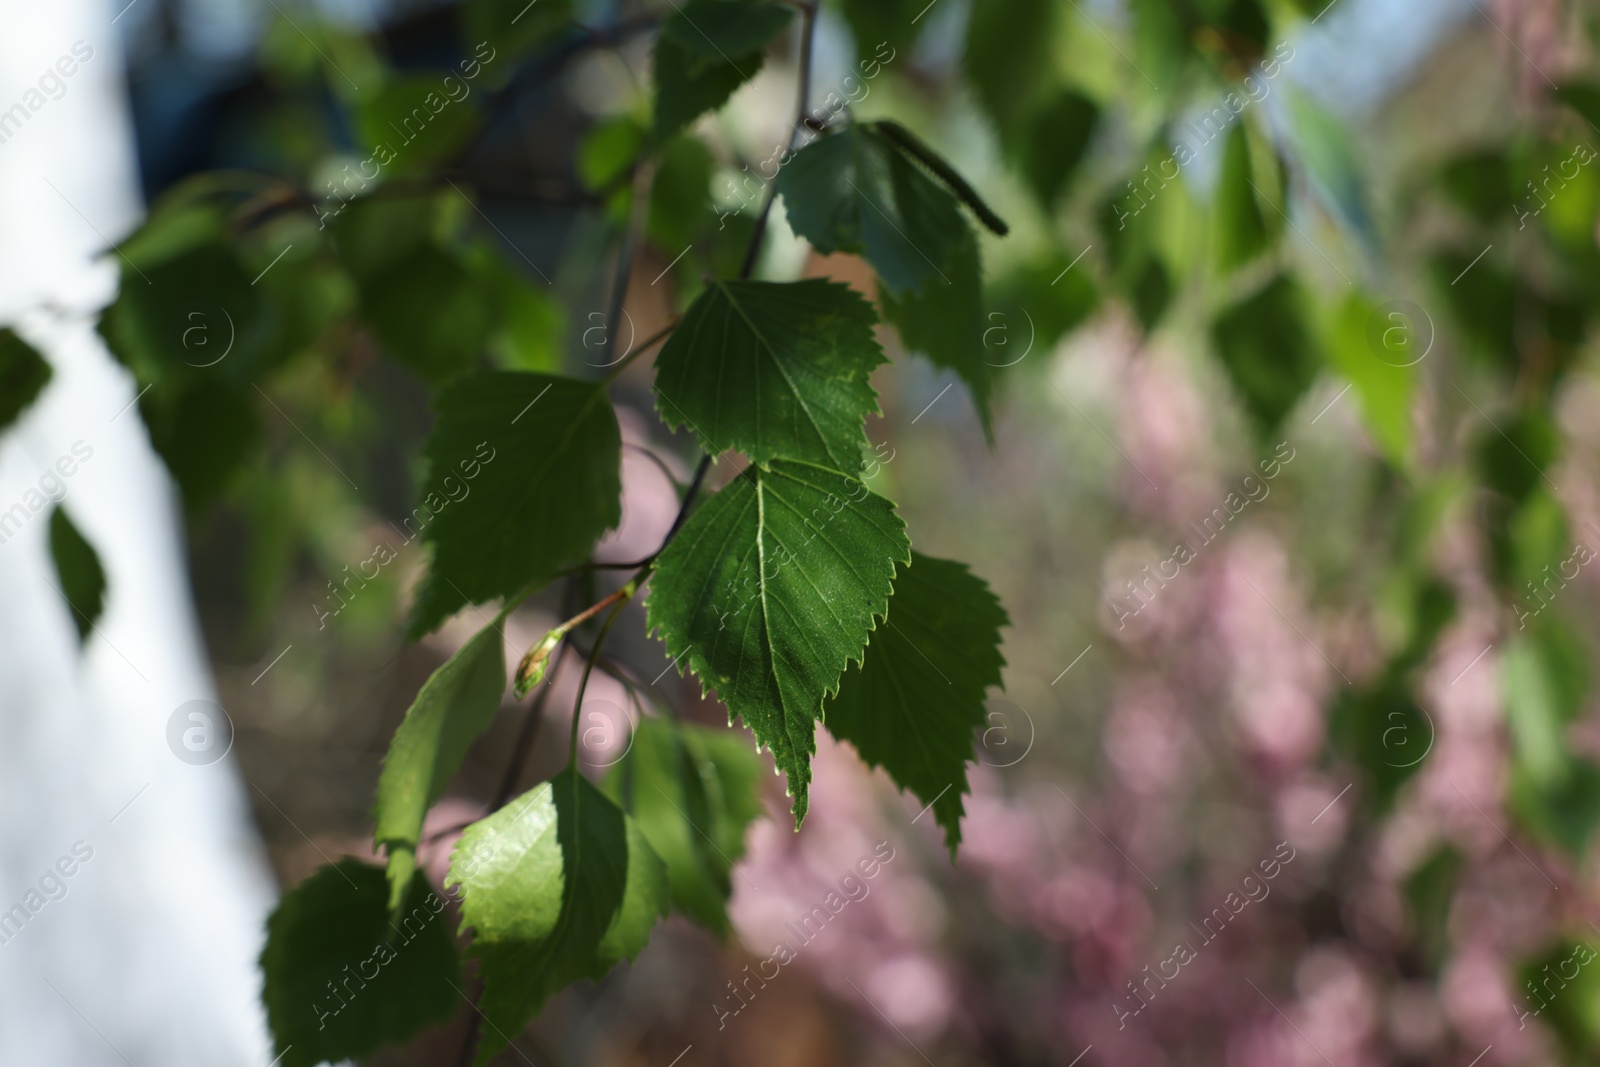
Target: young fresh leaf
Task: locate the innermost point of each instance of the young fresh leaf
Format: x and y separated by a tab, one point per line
855	191
83	580
774	370
707	49
341	978
536	460
559	885
770	590
453	707
1379	352
912	705
23	376
693	792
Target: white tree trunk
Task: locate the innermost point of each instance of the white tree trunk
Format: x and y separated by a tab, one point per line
146	952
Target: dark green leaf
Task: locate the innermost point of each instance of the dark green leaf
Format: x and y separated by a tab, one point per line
429	312
706	50
1387	733
503	31
1480	182
1514	450
416	122
1041	301
882	28
453	707
693	792
1266	348
204	433
1009	43
713	30
912	705
773	370
23	376
1057	139
770	590
945	323
1582	97
559	885
854	191
83	580
524	478
917	149
340	980
1482	300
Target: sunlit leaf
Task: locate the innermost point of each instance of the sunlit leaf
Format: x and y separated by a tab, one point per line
770	591
773	370
559	885
693	792
453	707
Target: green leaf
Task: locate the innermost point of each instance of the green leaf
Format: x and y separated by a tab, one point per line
882	26
693	793
919	150
713	30
340	980
1386	732
1058	135
706	50
83	580
509	30
547	456
429	312
1241	231
770	590
945	323
854	191
454	706
1266	348
1008	46
23	376
1040	300
204	434
1330	161
1554	792
559	885
1582	97
1378	350
415	122
775	370
1567	1002
912	705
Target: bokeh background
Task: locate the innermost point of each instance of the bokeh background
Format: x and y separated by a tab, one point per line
1339	686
